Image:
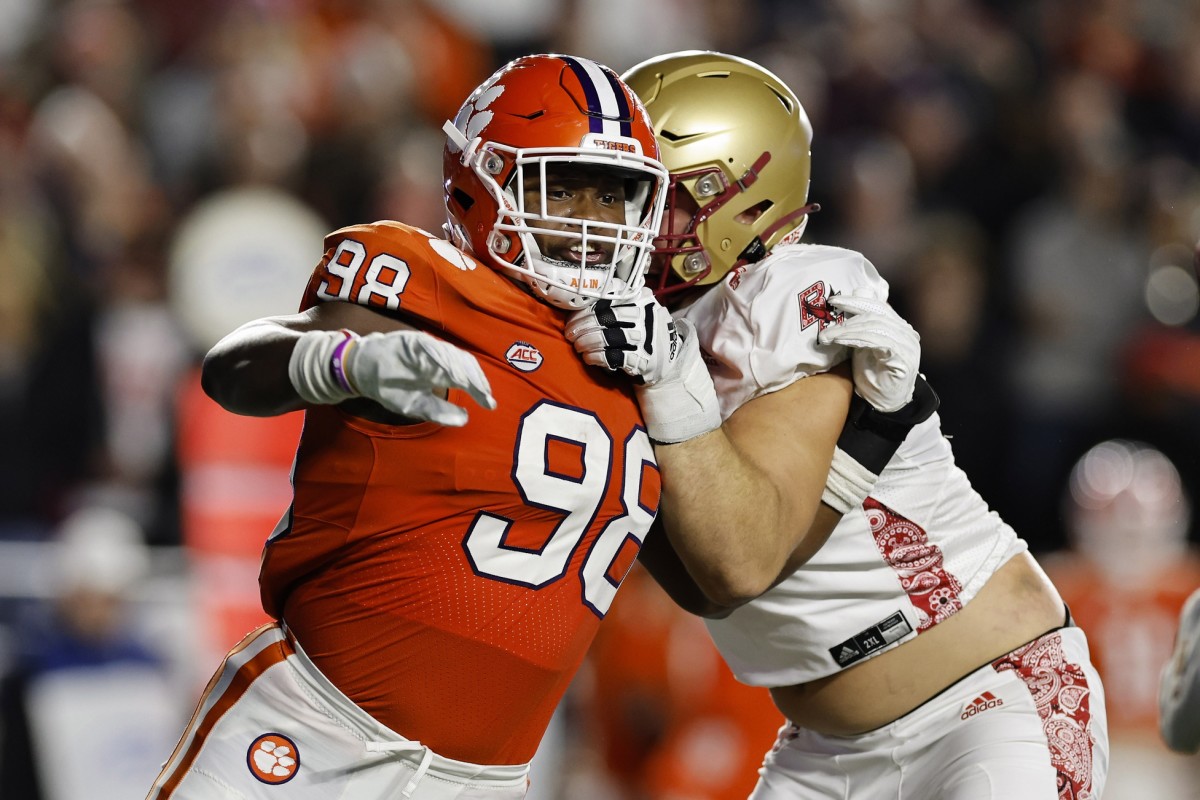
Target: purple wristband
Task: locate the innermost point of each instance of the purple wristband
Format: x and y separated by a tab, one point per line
338	362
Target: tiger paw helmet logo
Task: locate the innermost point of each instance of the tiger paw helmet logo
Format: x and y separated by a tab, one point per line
273	758
473	117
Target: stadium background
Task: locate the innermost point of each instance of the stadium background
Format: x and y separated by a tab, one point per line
1024	174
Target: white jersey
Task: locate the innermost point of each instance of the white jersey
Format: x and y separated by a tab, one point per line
921	545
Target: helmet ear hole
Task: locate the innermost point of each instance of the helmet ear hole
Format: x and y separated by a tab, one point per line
462	198
755	211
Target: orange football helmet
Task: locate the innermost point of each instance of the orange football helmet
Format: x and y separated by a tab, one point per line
549	115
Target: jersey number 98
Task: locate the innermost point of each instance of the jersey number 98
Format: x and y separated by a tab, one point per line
577	499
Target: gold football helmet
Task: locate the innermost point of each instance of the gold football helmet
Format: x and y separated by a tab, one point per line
736	142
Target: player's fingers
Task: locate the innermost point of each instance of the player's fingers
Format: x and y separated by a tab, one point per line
602	340
622	316
480	392
435	409
580	324
599	357
461	370
860	337
470	378
853	304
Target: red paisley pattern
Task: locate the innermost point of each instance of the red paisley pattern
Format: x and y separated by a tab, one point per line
1060	692
920	565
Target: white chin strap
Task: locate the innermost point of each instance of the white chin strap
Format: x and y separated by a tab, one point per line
557	296
555	283
560	294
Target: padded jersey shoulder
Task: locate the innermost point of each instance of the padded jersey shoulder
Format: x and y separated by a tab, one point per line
759	327
399	268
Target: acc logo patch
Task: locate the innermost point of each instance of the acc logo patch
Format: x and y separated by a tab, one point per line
524	356
273	758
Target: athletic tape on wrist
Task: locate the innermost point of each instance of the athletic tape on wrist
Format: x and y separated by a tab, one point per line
848	484
683	406
311	368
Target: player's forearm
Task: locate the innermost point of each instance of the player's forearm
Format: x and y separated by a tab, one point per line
247	371
666	566
739	503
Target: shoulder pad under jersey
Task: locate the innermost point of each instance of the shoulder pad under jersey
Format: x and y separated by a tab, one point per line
759	327
387	265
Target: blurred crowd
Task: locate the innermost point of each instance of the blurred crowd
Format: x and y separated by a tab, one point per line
1024	174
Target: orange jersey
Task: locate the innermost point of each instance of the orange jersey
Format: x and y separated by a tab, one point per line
661	696
450	580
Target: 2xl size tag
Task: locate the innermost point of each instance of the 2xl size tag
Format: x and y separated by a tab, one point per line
878	636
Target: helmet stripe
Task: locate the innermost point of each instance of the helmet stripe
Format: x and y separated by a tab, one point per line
608	108
623	112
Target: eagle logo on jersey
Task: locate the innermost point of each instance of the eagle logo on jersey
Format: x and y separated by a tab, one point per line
524	356
273	758
814	309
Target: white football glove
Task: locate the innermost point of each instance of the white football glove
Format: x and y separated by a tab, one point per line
638	338
401	370
675	392
886	350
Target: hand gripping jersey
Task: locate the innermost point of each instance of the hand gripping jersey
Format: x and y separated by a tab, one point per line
450	580
922	544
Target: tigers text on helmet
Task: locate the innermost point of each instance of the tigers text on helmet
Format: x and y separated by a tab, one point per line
736	142
538	124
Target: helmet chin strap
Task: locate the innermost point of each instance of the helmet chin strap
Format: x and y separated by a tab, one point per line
525	270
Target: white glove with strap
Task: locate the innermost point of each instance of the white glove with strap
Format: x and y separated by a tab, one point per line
401	370
886	350
641	339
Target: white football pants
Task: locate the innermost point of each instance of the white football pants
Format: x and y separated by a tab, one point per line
1031	725
271	727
